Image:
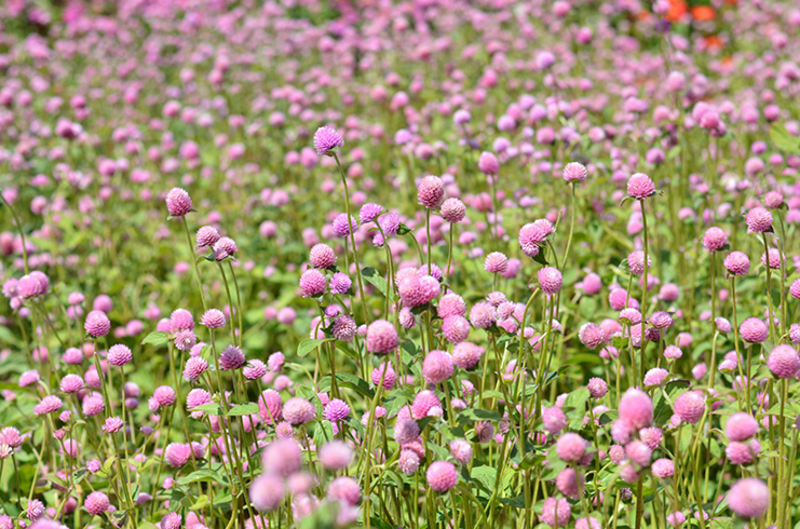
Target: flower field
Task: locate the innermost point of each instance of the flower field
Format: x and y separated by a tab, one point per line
399	264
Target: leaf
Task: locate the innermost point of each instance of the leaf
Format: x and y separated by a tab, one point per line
375	279
663	408
518	502
539	258
308	345
156	338
243	409
201	502
485	476
472	415
783	140
212	408
202	475
403	229
108	464
350	381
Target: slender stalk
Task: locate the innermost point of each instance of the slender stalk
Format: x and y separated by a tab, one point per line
193	257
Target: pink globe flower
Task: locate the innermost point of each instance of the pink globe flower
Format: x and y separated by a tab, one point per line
556	512
690	407
437	367
327	140
783	361
453	210
488	163
496	263
759	220
591	335
741	426
381	337
119	355
267	492
179	203
575	172
298	411
322	256
749	498
571	447
442	476
714	239
207	236
96	503
213	319
177	454
663	468
636	408
737	263
754	330
550	280
430	192
312	283
640	186
97	324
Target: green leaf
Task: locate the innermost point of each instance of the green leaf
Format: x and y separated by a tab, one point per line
202	475
403	229
783	140
371	275
518	502
485	475
156	338
212	408
350	381
473	415
308	345
243	409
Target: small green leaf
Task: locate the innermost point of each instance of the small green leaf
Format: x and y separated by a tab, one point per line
243	409
202	475
212	408
156	338
308	345
783	140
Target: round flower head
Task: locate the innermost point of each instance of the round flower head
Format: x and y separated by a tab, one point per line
336	410
322	256
466	355
591	335
225	247
749	498
185	340
298	411
231	358
739	453
171	520
754	330
381	337
267	492
177	454
741	426
270	406
455	329
179	203
639	453
714	239
482	315
775	258
29	286
207	236
550	280
336	455
737	263
282	457
119	355
571	447
312	283
442	476
344	328
453	210
195	366
71	383
488	163
451	304
197	397
663	468
534	234
640	186
689	407
340	226
759	220
213	319
408	462
369	212
96	503
327	140
636	408
48	404
461	450
575	172
783	361
255	369
794	289
655	376
345	489
495	263
597	388
437	367
569	483
636	262
97	324
556	512
35	510
430	192
179	320
554	419
424	402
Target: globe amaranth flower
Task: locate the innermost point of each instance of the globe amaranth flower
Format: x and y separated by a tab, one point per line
430	192
575	172
453	210
640	186
327	140
179	203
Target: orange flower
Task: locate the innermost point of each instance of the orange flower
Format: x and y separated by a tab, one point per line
676	10
703	13
713	42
